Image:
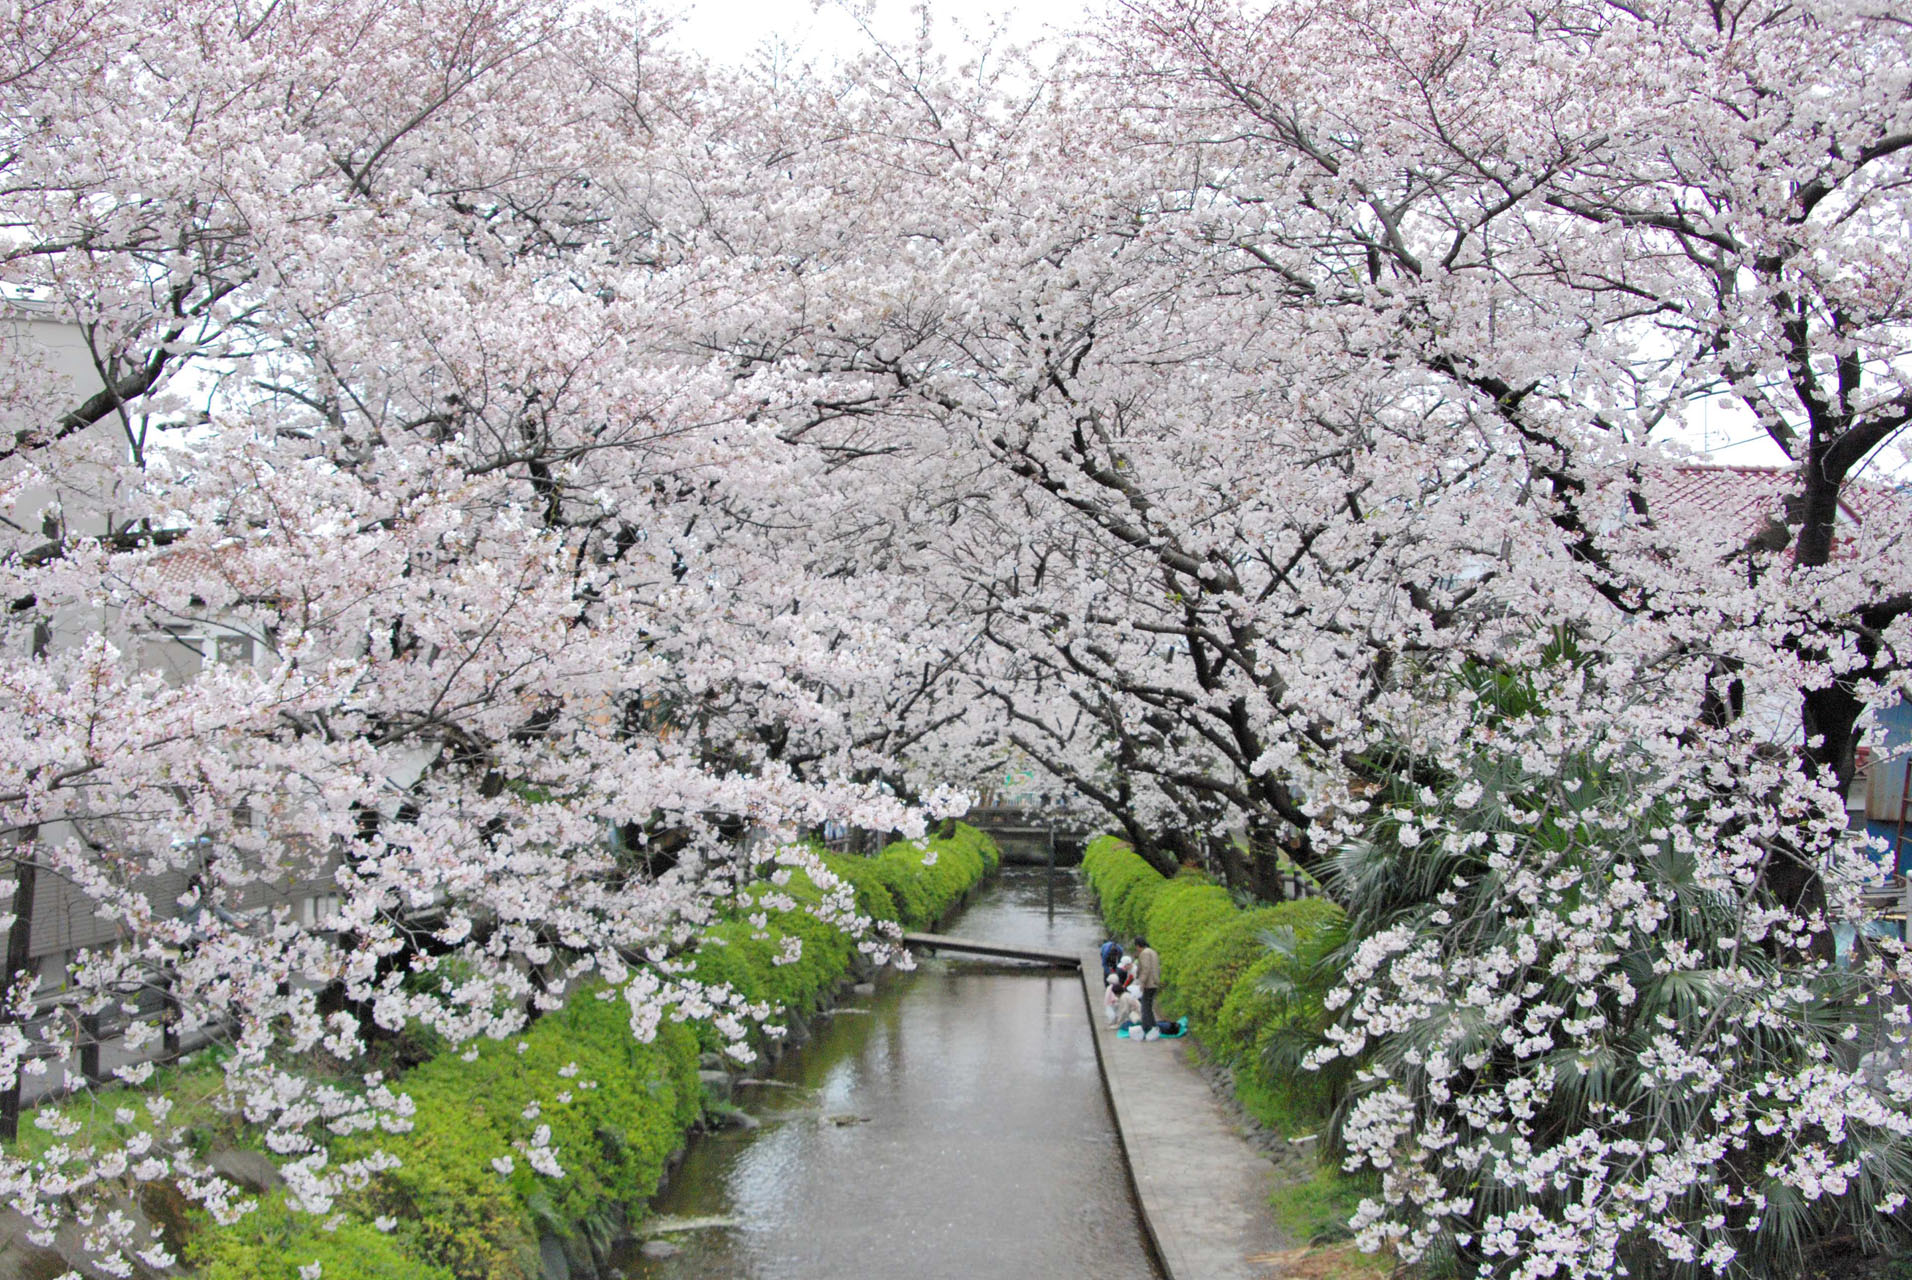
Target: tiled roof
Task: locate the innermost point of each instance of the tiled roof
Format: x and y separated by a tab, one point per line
177	574
1748	496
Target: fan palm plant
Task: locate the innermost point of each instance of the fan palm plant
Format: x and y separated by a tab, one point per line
1584	1045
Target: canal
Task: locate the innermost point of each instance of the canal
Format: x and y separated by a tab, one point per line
951	1125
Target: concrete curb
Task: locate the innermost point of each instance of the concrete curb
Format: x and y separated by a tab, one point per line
1202	1189
1089	969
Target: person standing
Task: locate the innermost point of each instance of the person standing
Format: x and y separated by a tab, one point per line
1148	976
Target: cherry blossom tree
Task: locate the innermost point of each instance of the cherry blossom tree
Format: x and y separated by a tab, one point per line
1335	365
1568	228
389	309
1256	417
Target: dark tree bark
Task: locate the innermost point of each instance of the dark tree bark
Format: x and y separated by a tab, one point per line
26	870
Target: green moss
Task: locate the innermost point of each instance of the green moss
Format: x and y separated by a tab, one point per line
274	1242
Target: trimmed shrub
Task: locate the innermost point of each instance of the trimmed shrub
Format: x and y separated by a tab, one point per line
873	897
1279	988
1124	884
1253	1004
1247	1008
1208	968
1182	911
613	1124
924	891
273	1242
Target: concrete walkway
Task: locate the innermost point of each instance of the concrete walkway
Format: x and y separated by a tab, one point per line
1203	1188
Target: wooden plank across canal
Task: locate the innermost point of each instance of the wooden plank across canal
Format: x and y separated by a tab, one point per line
999	950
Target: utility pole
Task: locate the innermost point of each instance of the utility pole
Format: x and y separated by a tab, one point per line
1052	868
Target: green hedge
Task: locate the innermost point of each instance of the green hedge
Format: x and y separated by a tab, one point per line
274	1242
1282	987
1207	973
614	1118
1181	914
925	890
1124	884
873	897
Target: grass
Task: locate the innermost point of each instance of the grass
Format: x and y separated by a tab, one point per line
1317	1210
1277	1107
192	1084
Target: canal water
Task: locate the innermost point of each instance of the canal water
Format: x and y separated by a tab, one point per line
951	1125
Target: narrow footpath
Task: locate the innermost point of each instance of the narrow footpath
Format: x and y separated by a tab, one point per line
1203	1187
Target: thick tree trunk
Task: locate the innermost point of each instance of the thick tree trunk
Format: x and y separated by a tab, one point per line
1237	864
1829	715
1158	852
26	871
1266	852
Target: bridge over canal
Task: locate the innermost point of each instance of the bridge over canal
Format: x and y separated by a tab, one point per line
1035	835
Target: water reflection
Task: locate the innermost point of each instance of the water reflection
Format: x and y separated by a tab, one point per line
955	1129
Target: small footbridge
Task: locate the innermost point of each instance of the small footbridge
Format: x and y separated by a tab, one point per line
997	950
1034	835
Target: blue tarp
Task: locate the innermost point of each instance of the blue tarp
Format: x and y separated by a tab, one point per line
1897	725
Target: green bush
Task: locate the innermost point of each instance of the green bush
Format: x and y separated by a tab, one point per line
1181	912
614	1122
924	891
1124	885
273	1242
1206	971
1282	988
873	897
1252	982
1247	1008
